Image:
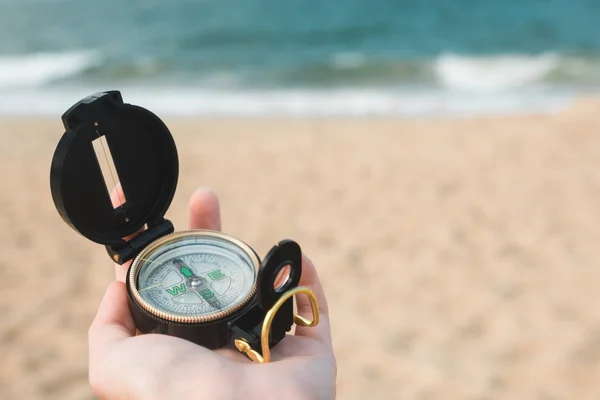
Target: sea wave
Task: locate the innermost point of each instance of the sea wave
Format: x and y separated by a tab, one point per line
493	73
451	84
38	69
509	72
354	70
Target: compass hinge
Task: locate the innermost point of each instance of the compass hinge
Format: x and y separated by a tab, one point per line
123	253
249	326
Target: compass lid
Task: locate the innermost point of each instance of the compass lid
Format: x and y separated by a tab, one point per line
145	163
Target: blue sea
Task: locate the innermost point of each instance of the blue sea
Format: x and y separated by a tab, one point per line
299	58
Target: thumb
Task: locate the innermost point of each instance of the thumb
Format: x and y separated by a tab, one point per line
204	210
113	321
112	325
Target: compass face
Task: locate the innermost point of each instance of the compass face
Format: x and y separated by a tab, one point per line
195	276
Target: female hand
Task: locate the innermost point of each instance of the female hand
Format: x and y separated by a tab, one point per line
124	365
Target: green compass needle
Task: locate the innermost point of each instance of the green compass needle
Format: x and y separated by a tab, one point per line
186	271
197	283
183	269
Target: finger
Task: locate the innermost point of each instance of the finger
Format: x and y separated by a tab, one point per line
204	210
310	279
113	321
121	271
117	198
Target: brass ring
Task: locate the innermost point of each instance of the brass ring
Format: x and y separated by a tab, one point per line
193	233
298	319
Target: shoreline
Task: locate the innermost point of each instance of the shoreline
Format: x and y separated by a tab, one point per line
301	105
576	104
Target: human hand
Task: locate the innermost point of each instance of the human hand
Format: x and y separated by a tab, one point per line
126	365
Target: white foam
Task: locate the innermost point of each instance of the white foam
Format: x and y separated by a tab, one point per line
33	70
493	74
294	103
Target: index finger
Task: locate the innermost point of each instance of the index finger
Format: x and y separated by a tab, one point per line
113	321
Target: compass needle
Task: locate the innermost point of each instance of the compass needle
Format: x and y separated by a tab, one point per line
186	271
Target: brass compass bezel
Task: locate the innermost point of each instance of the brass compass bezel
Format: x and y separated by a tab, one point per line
141	258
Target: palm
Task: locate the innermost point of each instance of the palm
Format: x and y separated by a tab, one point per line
126	365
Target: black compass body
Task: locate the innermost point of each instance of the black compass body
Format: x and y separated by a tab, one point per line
203	286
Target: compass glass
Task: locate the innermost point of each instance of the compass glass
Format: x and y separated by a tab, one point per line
196	275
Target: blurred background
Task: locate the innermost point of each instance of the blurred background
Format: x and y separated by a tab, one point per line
438	161
300	57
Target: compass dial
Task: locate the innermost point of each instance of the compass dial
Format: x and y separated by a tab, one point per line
194	276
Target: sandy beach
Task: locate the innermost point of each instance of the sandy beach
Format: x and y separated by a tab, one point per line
460	257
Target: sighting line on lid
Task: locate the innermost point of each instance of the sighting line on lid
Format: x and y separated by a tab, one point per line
110	168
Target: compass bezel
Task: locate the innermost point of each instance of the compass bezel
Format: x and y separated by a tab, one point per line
138	262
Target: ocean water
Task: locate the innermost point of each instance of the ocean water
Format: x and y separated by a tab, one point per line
292	57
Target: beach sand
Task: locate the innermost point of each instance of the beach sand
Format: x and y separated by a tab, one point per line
461	258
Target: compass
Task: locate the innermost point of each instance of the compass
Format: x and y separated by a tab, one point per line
204	286
194	276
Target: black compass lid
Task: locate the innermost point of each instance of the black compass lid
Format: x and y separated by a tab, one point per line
145	163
